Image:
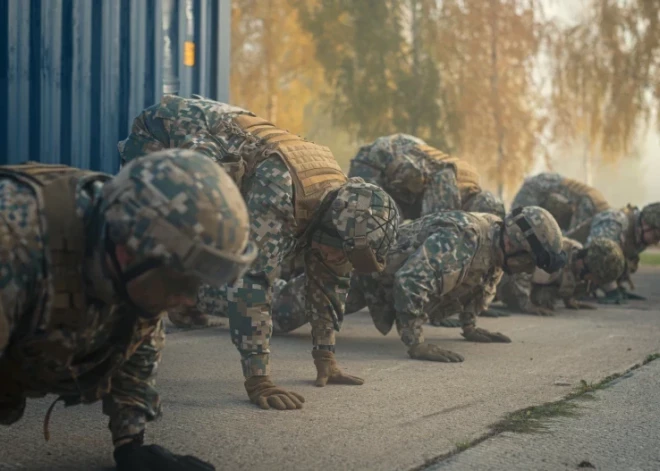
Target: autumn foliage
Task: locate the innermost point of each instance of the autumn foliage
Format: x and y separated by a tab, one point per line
492	81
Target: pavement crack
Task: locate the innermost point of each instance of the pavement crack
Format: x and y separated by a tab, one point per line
531	419
440	412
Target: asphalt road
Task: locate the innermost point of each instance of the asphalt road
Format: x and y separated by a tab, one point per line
407	413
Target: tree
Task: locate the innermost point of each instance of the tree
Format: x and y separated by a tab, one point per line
490	49
607	77
377	57
273	69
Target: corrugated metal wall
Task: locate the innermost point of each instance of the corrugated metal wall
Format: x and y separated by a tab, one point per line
76	72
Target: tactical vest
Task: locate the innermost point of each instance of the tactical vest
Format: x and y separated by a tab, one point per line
313	168
582	189
64	306
467	177
568	282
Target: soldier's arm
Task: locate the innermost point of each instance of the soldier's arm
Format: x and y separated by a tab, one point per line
434	269
326	287
441	192
148	134
609	228
21	256
133	400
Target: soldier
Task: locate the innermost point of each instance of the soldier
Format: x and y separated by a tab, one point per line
599	263
299	201
89	264
422	180
633	230
446	262
571	202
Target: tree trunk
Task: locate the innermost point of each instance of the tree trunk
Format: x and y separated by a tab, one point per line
495	97
416	45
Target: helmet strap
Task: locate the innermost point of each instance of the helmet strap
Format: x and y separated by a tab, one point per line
123	278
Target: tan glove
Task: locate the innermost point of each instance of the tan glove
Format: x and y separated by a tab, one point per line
265	394
571	303
327	370
541	311
475	334
430	352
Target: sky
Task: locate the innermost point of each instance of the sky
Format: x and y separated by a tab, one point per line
635	182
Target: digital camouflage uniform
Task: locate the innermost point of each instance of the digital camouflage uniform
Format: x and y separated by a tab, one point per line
268	163
623	226
442	263
422	180
571	202
67	326
538	293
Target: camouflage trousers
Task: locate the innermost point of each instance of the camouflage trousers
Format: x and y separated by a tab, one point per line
515	291
289	309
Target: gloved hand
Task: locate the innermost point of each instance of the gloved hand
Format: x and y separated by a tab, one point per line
265	394
614	296
571	303
430	352
446	322
134	456
542	311
494	313
475	334
327	370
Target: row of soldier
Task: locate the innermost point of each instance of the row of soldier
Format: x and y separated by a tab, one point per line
210	203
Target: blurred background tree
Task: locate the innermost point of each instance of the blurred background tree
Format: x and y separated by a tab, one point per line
498	82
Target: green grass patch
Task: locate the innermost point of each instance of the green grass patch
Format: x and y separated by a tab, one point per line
462	446
650	257
535	419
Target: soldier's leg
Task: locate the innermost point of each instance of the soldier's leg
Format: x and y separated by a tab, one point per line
288	308
190	317
515	292
355	299
441	316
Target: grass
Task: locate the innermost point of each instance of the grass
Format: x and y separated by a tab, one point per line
650	257
535	419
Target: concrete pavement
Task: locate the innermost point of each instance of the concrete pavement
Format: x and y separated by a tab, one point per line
620	430
407	412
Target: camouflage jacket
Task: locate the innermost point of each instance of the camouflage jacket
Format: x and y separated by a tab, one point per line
563	284
448	259
586	201
113	356
208	127
418	185
623	227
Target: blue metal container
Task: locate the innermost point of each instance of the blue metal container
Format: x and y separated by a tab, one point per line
76	72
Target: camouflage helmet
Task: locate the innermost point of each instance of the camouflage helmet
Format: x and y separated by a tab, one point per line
486	202
535	241
651	215
366	220
604	260
178	210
